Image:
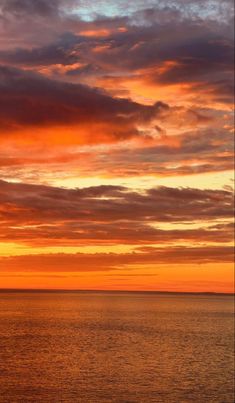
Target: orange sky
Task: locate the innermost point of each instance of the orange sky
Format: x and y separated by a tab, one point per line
116	146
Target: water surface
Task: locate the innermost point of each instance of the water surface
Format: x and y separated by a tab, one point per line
115	347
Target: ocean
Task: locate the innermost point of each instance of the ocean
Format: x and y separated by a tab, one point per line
115	347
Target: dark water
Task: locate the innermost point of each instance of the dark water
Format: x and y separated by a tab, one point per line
110	347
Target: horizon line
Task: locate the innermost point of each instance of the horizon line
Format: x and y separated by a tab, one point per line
62	290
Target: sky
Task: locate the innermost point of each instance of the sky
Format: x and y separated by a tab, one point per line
116	145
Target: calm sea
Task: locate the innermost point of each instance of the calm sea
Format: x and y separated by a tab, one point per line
115	347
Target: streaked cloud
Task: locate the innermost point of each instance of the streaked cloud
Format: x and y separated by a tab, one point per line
42	215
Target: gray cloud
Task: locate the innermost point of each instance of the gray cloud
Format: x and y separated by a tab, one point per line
110	215
28	99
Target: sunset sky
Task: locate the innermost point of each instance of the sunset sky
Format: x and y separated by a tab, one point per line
116	144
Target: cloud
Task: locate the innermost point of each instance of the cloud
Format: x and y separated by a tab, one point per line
60	52
156	203
28	100
192	151
162	46
41	215
115	90
30	7
103	262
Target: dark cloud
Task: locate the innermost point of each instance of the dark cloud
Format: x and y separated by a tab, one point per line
199	46
110	215
75	233
115	203
161	45
30	7
30	100
193	44
60	52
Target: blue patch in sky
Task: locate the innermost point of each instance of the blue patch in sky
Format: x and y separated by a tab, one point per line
88	10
